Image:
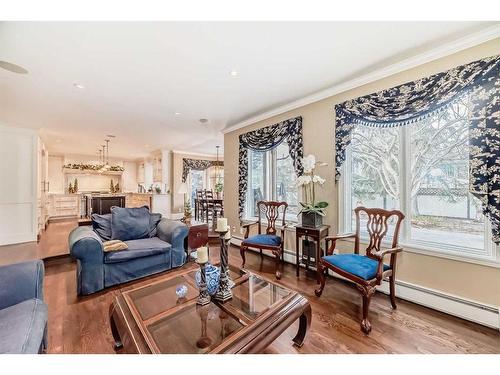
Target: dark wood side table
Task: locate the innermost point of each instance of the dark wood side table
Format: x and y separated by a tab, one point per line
317	235
197	237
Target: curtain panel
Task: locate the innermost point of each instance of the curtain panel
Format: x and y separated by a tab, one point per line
414	101
197	164
265	139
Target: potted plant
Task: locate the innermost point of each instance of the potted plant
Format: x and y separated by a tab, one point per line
187	211
219	187
312	211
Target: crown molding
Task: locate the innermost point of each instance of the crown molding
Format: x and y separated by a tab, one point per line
446	49
198	154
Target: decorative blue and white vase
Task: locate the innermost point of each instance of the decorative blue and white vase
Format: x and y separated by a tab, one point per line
181	291
213	276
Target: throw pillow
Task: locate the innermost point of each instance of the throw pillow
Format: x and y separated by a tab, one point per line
154	219
102	226
114	245
129	223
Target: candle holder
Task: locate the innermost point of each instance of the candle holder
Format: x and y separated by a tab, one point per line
203	297
225	284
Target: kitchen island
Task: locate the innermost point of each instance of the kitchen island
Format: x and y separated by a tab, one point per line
101	203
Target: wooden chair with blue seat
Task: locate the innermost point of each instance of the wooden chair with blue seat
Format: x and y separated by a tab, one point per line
272	211
368	270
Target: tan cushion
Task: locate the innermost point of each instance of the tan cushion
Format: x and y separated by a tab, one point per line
114	245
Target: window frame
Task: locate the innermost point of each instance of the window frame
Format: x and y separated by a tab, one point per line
270	178
489	255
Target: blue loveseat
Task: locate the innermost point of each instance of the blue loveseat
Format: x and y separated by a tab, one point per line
154	245
23	314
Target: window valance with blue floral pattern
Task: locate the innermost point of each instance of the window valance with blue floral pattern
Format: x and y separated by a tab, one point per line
198	165
413	101
265	139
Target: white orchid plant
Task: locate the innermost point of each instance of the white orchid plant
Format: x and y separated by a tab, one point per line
308	181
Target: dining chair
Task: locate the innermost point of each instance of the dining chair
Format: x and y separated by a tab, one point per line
271	213
199	204
366	271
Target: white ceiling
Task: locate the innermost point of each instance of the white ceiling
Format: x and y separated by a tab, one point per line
137	75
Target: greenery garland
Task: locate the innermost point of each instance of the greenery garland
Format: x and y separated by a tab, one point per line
93	167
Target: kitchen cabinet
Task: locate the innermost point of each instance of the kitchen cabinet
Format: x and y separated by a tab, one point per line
160	203
157	169
64	205
140	173
43	187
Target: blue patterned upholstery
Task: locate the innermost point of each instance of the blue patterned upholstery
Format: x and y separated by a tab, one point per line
358	265
264	239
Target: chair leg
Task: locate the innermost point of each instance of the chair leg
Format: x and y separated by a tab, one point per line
367	292
278	261
321	278
261	253
392	289
242	253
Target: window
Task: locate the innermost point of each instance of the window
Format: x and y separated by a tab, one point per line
421	169
198	179
271	176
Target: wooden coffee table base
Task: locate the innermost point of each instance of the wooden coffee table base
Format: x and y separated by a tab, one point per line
259	312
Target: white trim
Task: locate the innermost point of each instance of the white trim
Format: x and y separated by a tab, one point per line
477	312
196	154
451	255
464	308
433	54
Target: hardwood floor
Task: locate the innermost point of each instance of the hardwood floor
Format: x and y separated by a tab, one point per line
53	243
80	325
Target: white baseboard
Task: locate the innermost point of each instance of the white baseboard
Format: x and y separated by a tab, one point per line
464	308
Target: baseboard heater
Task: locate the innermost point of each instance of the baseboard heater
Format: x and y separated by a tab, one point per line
457	306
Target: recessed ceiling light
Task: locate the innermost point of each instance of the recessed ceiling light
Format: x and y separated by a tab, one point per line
13	68
234	73
78	86
203	120
177	113
110	136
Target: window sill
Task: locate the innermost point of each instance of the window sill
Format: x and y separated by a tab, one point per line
441	253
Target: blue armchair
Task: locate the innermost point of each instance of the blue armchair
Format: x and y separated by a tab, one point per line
23	314
162	250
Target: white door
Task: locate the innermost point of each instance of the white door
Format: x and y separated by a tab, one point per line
18	185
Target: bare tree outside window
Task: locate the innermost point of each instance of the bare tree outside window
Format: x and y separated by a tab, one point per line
436	153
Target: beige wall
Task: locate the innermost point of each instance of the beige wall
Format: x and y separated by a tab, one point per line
178	199
475	282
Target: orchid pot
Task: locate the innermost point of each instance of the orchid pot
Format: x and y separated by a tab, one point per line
312	212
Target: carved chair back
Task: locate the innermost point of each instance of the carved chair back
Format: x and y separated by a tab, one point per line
271	212
378	224
199	194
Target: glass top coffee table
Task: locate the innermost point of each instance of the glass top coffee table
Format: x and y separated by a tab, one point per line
152	319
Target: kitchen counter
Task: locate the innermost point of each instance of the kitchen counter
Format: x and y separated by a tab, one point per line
96	195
